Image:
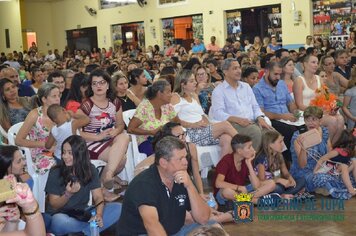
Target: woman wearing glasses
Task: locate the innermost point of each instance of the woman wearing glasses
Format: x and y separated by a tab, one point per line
192	117
104	133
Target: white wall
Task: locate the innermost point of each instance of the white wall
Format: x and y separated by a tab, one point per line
50	20
10	19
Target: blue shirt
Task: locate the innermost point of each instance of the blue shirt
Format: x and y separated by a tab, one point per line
198	48
228	101
271	99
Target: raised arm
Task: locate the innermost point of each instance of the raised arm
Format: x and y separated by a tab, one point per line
25	129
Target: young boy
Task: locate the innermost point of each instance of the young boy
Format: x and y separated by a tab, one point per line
234	170
65	127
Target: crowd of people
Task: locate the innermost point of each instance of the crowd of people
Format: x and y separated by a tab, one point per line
255	102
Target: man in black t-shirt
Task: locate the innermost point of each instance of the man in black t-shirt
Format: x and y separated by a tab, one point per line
157	200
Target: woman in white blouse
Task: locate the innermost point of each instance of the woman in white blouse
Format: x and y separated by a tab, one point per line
192	117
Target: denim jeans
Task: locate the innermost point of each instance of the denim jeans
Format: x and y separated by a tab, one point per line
300	184
62	224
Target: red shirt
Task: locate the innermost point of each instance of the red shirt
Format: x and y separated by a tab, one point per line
226	167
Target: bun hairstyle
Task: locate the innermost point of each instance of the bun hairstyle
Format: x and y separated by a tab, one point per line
156	87
134	74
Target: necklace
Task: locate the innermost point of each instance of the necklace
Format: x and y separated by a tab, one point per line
124	98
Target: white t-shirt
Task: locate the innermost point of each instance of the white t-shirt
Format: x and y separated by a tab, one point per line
60	134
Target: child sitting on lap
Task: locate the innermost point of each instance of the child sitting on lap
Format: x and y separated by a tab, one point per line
234	170
65	127
340	160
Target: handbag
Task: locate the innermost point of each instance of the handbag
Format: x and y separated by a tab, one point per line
81	214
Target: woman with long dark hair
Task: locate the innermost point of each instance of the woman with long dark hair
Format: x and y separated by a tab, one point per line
13	109
105	134
76	94
69	186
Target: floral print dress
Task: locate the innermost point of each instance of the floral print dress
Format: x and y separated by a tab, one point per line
146	114
43	162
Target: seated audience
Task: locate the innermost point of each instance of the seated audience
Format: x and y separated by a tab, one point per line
37	126
333	80
151	114
204	88
190	113
275	101
13	109
127	98
304	89
13	163
105	134
12	74
269	164
64	127
138	81
287	75
236	169
76	94
147	207
58	79
32	216
235	102
349	103
250	75
69	186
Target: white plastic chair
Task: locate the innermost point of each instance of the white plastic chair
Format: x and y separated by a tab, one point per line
208	156
39	181
137	156
3	132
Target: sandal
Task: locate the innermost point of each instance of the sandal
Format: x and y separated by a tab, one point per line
121	182
111	185
109	196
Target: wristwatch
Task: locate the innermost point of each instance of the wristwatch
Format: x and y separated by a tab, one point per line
261	116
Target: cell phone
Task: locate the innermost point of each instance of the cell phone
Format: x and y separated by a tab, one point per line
7	190
73	179
353	61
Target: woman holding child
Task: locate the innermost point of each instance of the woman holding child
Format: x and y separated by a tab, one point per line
38	125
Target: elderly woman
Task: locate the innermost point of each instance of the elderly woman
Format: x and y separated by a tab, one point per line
304	88
151	114
38	125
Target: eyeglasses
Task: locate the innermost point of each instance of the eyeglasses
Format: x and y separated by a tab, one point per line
201	74
59	82
101	83
180	136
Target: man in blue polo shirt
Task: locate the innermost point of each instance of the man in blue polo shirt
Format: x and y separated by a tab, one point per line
275	101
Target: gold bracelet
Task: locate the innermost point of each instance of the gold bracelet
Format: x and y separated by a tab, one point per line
33	212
